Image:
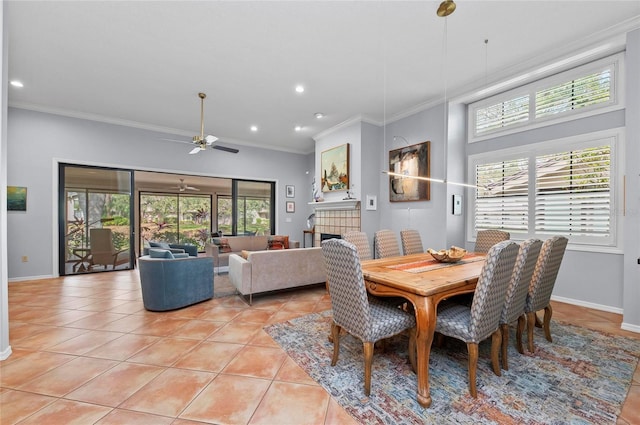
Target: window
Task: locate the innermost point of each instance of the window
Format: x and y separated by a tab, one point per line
564	96
562	187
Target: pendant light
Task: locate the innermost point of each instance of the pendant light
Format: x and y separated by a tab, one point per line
446	8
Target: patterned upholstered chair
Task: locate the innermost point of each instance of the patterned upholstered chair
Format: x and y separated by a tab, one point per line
488	238
411	242
361	242
385	244
541	287
369	320
517	292
481	320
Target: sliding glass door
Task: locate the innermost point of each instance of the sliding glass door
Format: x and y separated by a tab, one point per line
254	207
95	225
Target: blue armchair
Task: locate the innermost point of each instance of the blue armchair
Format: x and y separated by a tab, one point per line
169	283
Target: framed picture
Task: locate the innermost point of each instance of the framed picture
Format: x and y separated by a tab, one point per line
16	198
291	206
410	161
372	202
334	169
291	191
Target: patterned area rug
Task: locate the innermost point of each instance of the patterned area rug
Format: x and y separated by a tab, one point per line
581	378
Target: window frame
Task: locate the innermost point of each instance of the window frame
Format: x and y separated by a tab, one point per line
612	137
615	62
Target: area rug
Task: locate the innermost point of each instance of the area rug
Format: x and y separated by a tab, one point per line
581	378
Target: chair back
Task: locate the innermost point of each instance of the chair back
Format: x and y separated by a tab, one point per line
101	243
485	239
385	244
545	273
361	242
489	296
348	294
411	242
520	280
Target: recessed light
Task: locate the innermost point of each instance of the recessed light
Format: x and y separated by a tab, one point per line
254	128
299	89
298	128
318	115
16	83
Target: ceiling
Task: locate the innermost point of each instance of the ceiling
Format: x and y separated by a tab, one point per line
142	63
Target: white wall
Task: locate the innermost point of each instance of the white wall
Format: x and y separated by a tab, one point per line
38	141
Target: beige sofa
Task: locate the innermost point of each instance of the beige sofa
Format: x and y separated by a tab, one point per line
264	271
239	244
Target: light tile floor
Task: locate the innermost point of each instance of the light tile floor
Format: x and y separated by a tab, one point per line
85	351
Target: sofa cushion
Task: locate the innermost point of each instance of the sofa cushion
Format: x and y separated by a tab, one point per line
163	245
160	253
278	242
180	255
223	244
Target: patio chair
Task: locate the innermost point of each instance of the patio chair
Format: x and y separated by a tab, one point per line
485	239
411	242
102	250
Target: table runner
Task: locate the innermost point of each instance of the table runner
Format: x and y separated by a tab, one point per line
433	264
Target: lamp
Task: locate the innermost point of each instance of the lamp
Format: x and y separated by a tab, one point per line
446	8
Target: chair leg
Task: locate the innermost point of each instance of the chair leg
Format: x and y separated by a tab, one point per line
531	322
473	366
548	311
521	324
368	359
505	344
496	339
412	349
335	336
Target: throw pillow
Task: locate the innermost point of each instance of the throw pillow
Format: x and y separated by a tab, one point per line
180	255
245	254
223	244
278	242
162	245
160	253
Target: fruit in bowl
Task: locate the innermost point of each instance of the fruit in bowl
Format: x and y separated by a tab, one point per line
448	255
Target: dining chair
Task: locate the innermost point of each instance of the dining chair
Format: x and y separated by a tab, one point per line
361	242
517	291
385	244
485	239
102	250
541	287
411	242
477	322
366	318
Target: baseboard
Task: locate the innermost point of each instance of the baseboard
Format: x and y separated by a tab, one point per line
21	279
630	327
5	353
594	306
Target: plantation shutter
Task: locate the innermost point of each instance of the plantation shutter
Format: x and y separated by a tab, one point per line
575	94
573	193
503	114
502	197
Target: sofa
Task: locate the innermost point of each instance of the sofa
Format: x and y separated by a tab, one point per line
270	270
174	280
237	244
192	250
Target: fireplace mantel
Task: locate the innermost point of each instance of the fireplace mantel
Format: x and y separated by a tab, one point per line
343	204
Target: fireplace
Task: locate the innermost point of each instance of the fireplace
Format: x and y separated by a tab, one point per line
325	236
335	220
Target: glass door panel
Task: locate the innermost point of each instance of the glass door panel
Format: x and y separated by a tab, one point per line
254	207
95	198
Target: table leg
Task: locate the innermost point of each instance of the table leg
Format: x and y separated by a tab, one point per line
426	324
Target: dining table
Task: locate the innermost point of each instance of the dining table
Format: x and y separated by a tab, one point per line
424	282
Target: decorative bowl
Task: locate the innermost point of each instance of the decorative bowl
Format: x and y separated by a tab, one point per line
448	255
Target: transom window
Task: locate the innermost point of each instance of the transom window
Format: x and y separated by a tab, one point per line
564	96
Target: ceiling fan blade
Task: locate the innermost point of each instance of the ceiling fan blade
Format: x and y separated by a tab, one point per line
192	188
195	150
210	139
226	149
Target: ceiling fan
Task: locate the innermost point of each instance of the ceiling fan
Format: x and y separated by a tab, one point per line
203	142
184	187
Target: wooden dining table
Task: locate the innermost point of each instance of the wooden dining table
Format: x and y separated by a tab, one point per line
424	283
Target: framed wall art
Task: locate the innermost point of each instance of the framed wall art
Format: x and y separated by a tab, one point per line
16	198
334	169
291	207
290	191
410	161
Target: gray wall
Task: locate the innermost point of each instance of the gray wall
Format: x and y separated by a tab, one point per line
38	141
